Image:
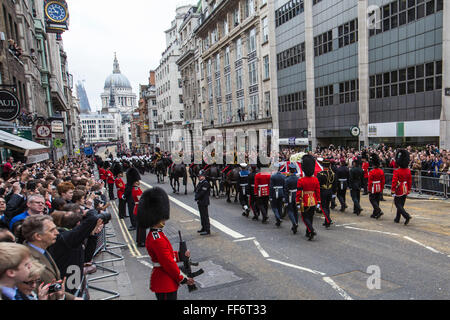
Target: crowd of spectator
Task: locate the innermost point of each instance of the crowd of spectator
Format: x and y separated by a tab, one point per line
51	215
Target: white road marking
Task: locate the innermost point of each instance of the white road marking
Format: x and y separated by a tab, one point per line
346	224
246	239
368	230
263	252
421	244
339	290
297	267
213	222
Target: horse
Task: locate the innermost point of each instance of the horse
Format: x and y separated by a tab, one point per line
231	181
161	169
212	175
194	169
177	171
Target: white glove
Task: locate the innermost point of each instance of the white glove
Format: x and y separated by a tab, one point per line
318	206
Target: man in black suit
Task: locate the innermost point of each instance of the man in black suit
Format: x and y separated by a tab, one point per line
202	192
356	181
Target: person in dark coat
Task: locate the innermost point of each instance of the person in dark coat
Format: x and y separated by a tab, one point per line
277	195
132	176
342	175
290	189
202	192
328	187
356	181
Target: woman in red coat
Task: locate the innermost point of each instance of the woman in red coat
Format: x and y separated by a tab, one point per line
166	277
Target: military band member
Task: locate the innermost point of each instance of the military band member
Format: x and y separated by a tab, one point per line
243	189
328	186
342	175
308	195
262	191
401	185
166	277
290	189
277	196
356	181
375	185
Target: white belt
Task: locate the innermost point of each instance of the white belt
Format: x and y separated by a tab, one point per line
263	185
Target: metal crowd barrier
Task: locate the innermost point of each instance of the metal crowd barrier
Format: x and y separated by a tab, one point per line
105	246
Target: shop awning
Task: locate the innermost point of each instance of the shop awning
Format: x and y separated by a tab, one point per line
34	151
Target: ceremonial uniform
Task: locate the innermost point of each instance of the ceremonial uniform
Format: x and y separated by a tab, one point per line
110	181
401	185
262	191
308	197
243	191
251	194
375	187
166	276
327	182
202	192
141	232
277	195
365	168
102	174
120	186
342	176
290	189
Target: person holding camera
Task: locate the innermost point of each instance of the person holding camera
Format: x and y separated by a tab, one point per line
40	233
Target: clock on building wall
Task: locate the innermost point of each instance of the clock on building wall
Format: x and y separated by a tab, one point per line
56	15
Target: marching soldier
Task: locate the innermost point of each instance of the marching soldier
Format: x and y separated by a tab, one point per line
342	175
243	188
308	195
277	195
251	192
202	192
401	185
375	185
356	181
262	191
328	186
290	190
153	212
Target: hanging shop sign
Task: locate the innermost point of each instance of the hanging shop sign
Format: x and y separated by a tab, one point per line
43	131
57	126
9	106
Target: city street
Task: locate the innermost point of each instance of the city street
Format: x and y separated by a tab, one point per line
244	259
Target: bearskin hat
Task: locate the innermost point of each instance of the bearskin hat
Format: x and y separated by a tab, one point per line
374	160
358	161
364	155
133	176
105	165
308	165
153	207
116	169
402	158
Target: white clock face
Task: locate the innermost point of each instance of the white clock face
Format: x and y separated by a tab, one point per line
56	12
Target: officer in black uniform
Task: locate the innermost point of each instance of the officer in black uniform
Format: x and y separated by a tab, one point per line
356	181
328	187
342	175
277	195
202	192
290	189
251	191
243	189
333	168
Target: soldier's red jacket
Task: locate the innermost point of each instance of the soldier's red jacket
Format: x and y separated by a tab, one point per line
376	181
109	177
262	183
401	182
136	194
365	167
310	187
166	275
120	185
102	173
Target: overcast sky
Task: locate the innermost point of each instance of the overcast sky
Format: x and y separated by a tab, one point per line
134	29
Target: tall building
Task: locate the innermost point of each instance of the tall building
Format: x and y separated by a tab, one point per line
169	92
363	72
85	106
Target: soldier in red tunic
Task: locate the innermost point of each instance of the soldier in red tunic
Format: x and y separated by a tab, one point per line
376	186
308	195
166	277
120	186
110	181
401	185
102	171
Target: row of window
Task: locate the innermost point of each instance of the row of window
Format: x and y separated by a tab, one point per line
291	56
410	80
323	43
291	102
401	12
348	33
290	10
